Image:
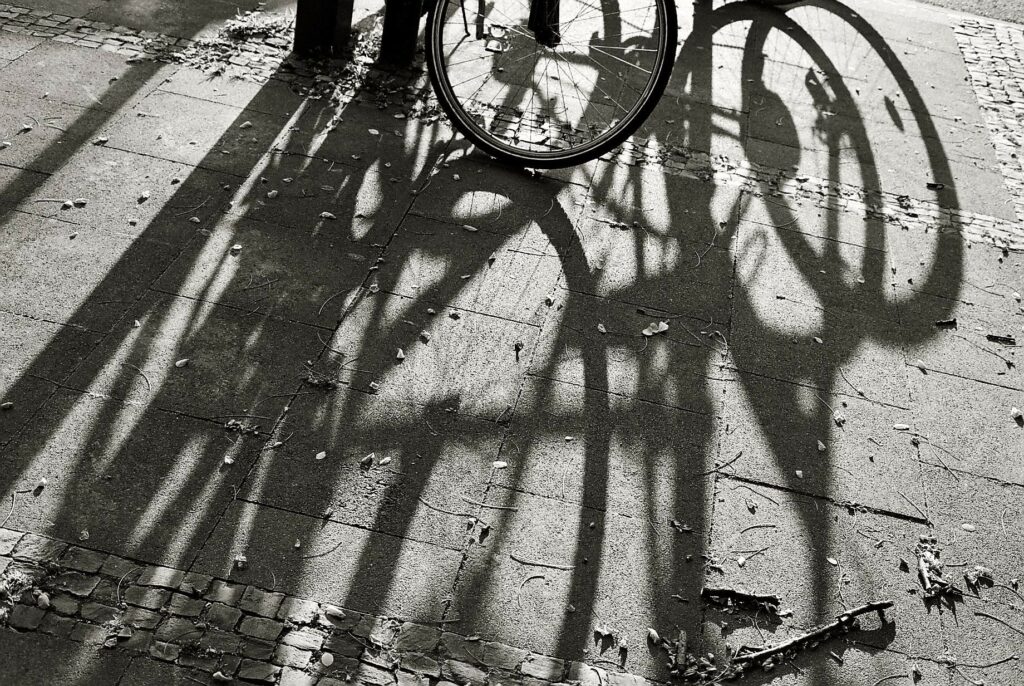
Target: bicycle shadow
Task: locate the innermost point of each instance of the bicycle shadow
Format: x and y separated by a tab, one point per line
131	442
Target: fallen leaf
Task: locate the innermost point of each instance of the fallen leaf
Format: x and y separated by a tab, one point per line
499	464
228	459
327	659
368	460
1016	413
83	535
373	132
471	229
194	220
401	355
600	327
901	427
832	561
272	194
968	527
385	461
245	125
821	447
919	363
100	140
818	340
298	543
653	636
799	473
236	248
741	561
182	362
7	406
838	418
144	196
327	215
321	455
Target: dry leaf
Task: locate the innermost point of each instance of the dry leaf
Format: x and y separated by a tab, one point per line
818	340
832	561
321	455
968	527
327	659
901	427
498	464
821	447
653	636
471	229
368	460
272	194
600	327
7	406
245	125
181	363
799	473
385	461
327	215
401	355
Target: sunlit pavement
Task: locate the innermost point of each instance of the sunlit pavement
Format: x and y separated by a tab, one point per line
305	392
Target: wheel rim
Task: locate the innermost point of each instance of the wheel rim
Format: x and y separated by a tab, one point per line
523	99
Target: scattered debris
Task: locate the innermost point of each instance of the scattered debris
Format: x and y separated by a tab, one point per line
1004	340
731	598
946	323
930	568
655	328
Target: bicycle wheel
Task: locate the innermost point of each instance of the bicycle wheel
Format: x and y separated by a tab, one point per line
549	83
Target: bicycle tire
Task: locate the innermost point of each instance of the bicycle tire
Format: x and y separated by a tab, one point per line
493	145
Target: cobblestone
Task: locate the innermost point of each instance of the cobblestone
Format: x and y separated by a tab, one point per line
82	560
994	55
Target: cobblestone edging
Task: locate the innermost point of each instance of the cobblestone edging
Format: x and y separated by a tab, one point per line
994	55
254	60
892	208
232	631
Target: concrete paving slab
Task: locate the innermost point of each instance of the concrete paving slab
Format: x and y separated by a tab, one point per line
38	659
366	206
455	359
71	274
195	132
965	350
37	353
591	448
57	131
117	473
994	512
131	194
102	81
234	360
14	45
968	426
280	271
273	97
621	572
368	136
659	241
817	272
424	463
820	560
432	260
778	338
676	368
940	261
346	565
777	426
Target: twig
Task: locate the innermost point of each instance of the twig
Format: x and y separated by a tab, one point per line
14	498
448	512
564	568
757	526
149	387
919	510
1008	658
493	507
966	678
889	678
1008	589
534	576
979	613
242	416
722	466
193	209
121	581
259	285
325	552
843	621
